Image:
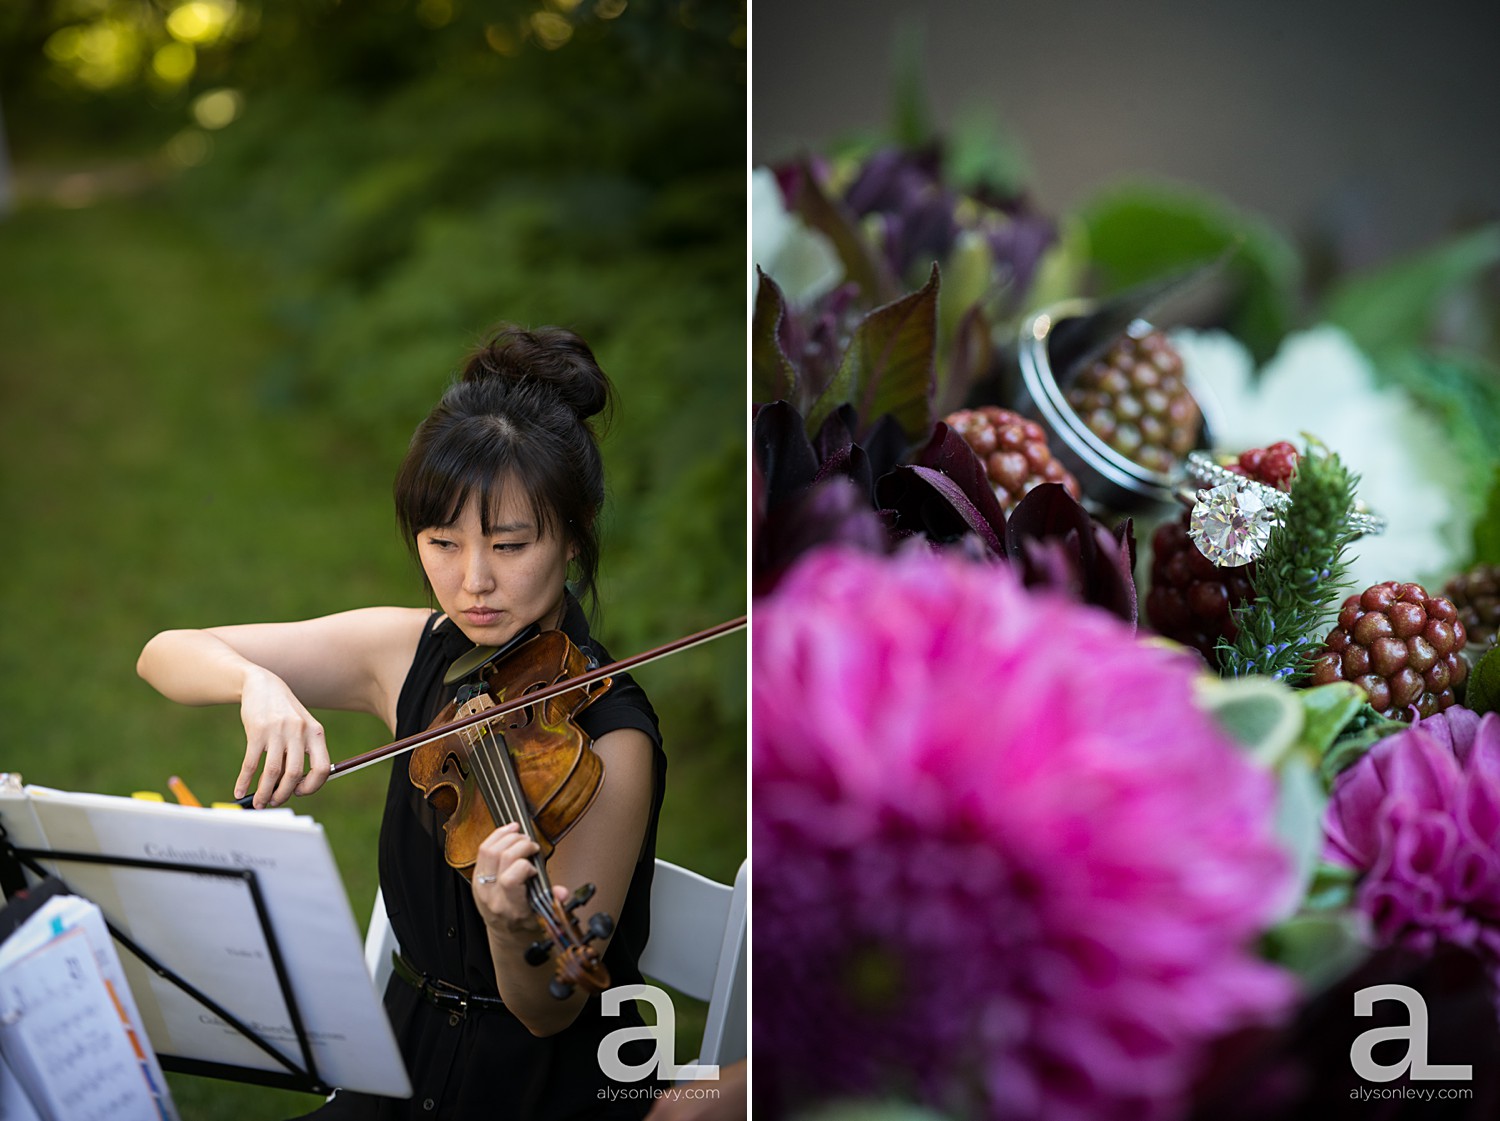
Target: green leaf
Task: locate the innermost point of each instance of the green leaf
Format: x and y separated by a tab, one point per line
968	355
1332	887
889	365
1059	275
1138	232
1300	803
1395	306
1487	528
1326	709
982	153
911	124
1483	693
861	263
968	272
772	376
1462	392
1317	947
1369	727
1261	715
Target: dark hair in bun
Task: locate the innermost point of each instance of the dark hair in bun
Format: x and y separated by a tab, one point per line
520	414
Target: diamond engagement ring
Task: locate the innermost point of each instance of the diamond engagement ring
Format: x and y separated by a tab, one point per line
485	879
1233	516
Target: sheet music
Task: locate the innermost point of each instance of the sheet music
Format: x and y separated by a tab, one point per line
15	1104
206	928
65	1040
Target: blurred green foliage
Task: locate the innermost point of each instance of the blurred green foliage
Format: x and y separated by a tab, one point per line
210	372
1138	232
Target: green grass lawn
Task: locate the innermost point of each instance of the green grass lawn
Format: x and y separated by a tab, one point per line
154	476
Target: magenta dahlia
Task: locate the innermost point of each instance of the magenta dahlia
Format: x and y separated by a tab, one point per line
1003	865
1419	816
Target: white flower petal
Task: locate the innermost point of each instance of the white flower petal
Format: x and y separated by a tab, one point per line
799	259
1321	384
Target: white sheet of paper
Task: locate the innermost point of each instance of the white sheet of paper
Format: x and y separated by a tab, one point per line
15	1103
206	929
65	1040
65	914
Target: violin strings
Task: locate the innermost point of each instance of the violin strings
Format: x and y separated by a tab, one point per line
500	785
498	792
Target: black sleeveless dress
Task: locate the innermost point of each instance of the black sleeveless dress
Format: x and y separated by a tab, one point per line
488	1065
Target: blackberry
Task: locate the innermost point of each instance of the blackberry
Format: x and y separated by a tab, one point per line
1476	594
1190	600
1014	452
1136	400
1401	645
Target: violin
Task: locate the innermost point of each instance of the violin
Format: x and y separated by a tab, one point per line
533	766
504	752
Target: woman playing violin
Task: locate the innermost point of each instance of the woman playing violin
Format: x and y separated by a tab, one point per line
498	497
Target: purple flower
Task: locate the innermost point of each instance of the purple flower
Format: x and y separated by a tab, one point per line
1003	865
1419	815
916	210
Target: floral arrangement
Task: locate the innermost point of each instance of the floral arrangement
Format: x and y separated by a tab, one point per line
1103	745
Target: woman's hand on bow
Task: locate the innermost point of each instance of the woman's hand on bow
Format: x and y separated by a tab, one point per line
279	728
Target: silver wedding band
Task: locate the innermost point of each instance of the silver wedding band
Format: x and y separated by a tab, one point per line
1109	478
485	879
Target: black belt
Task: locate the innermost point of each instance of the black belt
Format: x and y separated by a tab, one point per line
448	997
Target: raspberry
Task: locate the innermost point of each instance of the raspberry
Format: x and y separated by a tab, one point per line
1476	594
1399	644
1135	399
1013	450
1273	466
1190	600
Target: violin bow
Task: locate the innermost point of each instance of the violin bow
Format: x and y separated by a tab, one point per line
401	746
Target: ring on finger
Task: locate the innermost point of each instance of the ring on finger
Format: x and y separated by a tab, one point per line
485	879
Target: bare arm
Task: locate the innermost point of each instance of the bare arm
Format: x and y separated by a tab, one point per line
354	661
602	849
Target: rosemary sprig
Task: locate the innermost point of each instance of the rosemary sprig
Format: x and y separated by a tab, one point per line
1299	578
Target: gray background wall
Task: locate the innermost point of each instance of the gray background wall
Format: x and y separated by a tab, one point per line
1377	124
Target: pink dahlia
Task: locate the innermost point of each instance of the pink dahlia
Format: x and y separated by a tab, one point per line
1419	815
1003	865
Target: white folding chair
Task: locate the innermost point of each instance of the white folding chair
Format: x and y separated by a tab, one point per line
698	946
380	943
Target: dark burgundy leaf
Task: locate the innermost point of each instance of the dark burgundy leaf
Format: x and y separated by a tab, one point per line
885	443
1100	564
772	375
1049	510
948	452
833	512
929	502
853	464
782	452
1053	563
836	433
